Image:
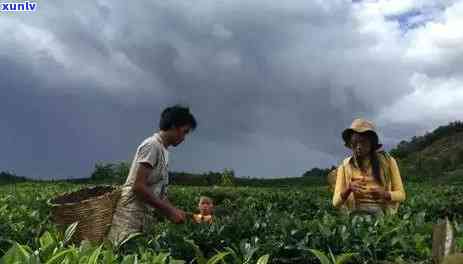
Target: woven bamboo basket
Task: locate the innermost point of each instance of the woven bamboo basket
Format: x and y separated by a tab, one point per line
92	207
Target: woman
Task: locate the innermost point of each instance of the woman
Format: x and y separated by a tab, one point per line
369	181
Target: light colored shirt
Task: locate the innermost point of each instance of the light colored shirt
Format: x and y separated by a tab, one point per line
132	214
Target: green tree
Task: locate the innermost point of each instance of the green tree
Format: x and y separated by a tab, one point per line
227	178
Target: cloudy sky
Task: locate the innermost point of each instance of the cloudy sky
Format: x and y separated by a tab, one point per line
272	83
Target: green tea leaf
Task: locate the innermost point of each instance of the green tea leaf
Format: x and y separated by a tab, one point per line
263	259
16	254
70	232
345	258
321	256
59	257
218	257
94	257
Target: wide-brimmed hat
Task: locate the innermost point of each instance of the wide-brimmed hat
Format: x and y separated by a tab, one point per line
360	125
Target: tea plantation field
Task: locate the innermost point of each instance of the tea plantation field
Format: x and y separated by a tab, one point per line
257	225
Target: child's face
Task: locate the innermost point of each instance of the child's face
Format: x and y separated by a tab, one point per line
205	207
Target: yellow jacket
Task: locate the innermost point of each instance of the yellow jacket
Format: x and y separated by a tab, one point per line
199	218
390	179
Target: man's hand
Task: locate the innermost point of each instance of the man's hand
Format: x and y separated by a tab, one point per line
144	193
177	216
380	194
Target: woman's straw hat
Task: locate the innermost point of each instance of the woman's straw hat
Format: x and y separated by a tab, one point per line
360	125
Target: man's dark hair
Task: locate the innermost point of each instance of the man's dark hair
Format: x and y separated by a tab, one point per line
176	116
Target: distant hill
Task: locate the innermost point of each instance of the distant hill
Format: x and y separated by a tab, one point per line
436	155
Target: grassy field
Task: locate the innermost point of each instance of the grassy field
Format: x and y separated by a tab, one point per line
274	225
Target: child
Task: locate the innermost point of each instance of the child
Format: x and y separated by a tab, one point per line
206	207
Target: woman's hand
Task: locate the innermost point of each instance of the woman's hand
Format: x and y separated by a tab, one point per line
354	187
380	194
357	186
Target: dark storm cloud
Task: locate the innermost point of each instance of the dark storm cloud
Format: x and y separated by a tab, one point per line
272	84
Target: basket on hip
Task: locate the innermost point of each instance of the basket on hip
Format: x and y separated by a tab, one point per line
91	207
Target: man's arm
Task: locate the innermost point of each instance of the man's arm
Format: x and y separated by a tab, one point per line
143	192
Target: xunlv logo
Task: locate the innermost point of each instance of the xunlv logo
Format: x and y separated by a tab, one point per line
18	7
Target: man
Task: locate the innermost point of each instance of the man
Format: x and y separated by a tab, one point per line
145	190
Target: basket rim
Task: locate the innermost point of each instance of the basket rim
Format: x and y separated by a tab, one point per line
87	200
